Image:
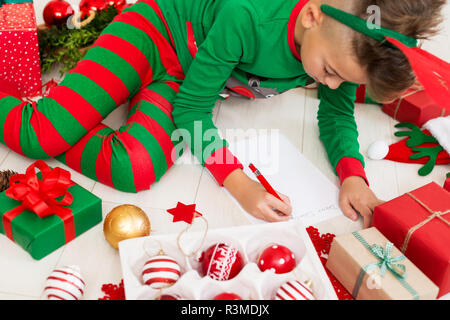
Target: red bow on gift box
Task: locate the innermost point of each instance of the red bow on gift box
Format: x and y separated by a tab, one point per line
40	196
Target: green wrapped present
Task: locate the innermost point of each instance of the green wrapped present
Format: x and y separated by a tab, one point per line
42	212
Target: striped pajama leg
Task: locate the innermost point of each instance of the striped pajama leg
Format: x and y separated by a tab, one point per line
140	152
131	55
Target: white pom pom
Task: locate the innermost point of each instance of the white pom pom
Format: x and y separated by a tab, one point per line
378	150
64	283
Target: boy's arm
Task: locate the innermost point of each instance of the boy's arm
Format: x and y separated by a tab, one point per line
339	134
229	41
338	130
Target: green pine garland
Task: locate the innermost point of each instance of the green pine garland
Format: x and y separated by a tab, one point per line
65	46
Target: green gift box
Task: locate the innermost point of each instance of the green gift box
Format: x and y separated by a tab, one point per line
50	210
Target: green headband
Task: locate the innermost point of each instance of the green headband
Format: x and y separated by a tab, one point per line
367	28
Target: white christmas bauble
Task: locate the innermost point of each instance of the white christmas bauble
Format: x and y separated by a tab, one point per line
160	271
294	290
64	283
378	150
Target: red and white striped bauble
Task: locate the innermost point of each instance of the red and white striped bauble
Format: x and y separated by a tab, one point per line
294	290
64	283
160	271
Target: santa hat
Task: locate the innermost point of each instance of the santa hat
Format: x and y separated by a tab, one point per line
429	146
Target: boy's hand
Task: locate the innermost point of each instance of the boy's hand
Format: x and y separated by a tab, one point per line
356	197
254	198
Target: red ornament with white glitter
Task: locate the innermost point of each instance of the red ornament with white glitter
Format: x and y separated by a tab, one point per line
277	258
160	271
221	262
227	296
19	59
294	290
64	283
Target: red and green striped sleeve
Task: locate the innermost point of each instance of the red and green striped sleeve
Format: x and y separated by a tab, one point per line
228	43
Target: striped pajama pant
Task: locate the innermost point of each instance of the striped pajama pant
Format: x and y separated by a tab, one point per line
132	60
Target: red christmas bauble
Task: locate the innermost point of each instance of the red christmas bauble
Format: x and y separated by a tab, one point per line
160	271
116	3
221	262
294	290
56	12
95	5
227	296
277	258
168	297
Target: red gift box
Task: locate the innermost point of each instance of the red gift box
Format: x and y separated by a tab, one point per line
19	61
363	97
418	223
414	106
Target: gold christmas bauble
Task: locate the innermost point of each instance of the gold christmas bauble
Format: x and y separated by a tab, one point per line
125	222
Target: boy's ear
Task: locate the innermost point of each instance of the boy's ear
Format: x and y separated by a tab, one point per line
313	16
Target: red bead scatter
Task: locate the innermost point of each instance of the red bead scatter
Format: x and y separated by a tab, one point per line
322	244
113	291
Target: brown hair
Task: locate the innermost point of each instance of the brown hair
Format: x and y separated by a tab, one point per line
388	70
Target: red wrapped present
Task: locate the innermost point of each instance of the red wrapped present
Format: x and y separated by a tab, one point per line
447	183
415	106
363	97
19	61
418	223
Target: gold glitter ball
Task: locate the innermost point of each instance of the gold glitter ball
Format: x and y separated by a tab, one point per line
125	222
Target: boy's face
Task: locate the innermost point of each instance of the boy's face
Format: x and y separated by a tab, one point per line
325	52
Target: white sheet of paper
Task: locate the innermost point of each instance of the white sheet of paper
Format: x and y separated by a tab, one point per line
314	198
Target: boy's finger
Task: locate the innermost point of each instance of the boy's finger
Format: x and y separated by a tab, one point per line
284	198
348	210
284	207
378	202
365	212
272	216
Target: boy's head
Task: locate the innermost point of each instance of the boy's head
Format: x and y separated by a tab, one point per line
332	52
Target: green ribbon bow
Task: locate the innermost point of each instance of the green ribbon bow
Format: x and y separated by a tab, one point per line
386	262
367	28
2	2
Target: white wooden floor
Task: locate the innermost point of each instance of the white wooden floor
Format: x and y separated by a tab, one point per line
293	113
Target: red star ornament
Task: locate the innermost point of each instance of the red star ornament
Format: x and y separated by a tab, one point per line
184	213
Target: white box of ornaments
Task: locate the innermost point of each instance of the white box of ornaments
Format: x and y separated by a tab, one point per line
253	262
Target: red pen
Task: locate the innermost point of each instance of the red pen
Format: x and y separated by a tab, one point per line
263	181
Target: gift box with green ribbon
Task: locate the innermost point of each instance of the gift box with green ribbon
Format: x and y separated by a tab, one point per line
418	223
372	268
43	211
